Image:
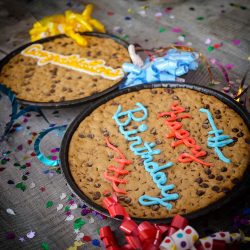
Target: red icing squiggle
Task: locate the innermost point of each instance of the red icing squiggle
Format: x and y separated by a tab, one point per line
182	135
114	179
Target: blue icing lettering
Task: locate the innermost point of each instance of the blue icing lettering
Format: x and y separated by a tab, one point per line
130	115
146	152
219	140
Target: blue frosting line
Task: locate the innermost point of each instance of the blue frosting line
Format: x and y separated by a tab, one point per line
146	151
219	140
41	157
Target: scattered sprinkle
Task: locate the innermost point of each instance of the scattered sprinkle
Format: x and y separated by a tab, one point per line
229	66
31	234
10	211
49	204
59	207
110	13
32	185
21	186
176	29
210	48
86	238
91	220
158	14
79	236
63	196
236	42
200	18
73	206
78	223
96	242
168	9
21	239
10	235
127	18
45	246
161	29
69	218
42	189
208	41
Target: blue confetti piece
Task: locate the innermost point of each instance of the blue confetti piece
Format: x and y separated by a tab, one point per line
96	242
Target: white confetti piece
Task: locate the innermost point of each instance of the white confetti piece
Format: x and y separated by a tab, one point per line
142	13
158	14
181	38
189	44
10	211
79	236
63	196
172	17
31	234
59	207
76	231
32	185
208	41
69	218
73	206
91	220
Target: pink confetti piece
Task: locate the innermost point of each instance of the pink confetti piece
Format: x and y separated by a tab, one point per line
54	157
176	29
20	147
168	9
229	66
158	14
236	42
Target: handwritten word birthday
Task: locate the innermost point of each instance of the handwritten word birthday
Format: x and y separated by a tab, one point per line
219	140
114	179
146	152
74	62
182	136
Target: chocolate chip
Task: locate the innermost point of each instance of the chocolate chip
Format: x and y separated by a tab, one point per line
69	78
158	142
97	185
121	198
79	77
95	79
155	207
225	190
53	71
207	106
88	53
127	200
219	178
161	161
89	164
153	131
62	98
216	189
179	119
153	91
235	130
223	169
98	53
200	192
175	97
235	180
28	89
204	185
235	139
81	135
218	116
114	55
52	91
217	112
206	121
89	179
240	134
187	109
206	126
211	176
199	180
207	171
64	89
135	127
247	140
70	90
96	196
107	194
169	91
53	86
91	136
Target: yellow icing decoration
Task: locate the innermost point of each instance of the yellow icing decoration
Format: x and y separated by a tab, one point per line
69	24
74	62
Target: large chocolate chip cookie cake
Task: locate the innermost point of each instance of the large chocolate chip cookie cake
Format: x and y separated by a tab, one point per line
61	70
161	151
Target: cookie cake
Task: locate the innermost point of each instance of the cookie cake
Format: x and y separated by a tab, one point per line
162	151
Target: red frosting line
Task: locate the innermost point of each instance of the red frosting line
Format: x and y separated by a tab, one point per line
182	135
114	179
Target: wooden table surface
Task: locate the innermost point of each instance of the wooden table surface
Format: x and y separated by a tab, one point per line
150	24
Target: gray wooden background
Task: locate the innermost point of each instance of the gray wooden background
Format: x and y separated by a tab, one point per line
220	22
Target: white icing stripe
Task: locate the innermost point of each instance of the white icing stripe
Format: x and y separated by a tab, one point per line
74	62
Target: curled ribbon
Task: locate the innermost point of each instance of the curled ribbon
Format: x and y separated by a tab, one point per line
15	113
41	157
167	68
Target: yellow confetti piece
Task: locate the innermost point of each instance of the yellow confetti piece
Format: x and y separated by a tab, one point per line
69	24
75	245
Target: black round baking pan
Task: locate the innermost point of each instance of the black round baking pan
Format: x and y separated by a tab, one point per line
69	103
237	190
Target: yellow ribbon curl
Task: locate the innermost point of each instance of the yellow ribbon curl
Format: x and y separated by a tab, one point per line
70	24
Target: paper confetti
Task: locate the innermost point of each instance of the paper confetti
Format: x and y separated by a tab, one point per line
75	245
21	186
10	211
208	41
21	239
31	234
45	246
91	220
32	185
63	196
176	29
79	236
96	242
73	206
49	204
236	42
69	218
161	29
78	223
59	207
